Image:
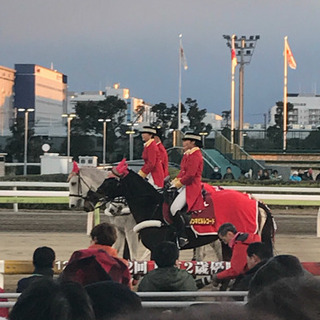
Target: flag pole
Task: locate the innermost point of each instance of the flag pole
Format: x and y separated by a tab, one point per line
180	83
232	93
285	95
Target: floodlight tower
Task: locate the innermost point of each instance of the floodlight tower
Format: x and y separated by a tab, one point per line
244	47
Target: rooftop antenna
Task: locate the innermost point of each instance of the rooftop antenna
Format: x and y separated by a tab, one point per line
51	66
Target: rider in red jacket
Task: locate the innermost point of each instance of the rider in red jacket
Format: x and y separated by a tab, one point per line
152	168
188	183
163	153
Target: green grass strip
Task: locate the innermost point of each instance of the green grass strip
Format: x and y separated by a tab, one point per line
34	199
292	202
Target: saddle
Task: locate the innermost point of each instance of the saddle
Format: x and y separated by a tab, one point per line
201	219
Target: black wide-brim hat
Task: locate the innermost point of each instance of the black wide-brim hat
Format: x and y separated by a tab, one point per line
148	129
193	137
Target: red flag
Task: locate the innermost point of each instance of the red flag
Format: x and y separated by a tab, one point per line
291	61
234	60
183	58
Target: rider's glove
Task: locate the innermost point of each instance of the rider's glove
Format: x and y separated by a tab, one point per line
176	183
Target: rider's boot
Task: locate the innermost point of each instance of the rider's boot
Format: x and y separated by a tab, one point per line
179	223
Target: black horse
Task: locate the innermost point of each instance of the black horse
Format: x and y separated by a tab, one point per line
145	204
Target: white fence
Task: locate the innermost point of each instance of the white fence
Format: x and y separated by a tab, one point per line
270	195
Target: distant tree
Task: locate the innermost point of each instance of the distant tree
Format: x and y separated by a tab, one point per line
275	133
85	127
226	116
166	117
195	115
15	143
278	117
312	141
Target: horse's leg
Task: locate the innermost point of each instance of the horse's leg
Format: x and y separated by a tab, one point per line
137	250
267	226
216	246
126	251
89	222
120	242
199	253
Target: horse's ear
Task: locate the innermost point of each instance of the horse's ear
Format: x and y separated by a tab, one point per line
75	167
121	168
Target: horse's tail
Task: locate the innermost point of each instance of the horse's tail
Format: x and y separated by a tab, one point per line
268	230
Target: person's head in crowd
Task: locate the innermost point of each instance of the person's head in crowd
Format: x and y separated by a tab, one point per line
110	299
256	253
46	299
226	232
288	298
104	234
165	254
43	257
278	267
229	170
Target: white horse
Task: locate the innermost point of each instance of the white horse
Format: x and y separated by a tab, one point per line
89	179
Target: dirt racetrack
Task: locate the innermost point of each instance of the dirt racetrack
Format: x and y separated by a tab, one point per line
21	233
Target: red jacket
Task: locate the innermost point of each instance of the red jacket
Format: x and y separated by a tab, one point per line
152	164
190	175
239	245
92	265
164	159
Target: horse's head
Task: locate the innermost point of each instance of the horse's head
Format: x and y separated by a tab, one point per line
110	188
76	199
82	186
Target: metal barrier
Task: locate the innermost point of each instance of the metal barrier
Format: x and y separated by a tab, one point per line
164	295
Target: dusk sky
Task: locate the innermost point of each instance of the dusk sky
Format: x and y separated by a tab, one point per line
100	42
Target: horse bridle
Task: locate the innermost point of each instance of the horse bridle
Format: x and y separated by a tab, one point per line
105	199
79	195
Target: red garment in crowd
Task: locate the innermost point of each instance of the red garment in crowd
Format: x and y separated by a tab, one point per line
111	251
93	264
239	245
152	164
164	159
4	312
190	176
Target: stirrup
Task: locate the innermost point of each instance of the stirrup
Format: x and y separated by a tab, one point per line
181	242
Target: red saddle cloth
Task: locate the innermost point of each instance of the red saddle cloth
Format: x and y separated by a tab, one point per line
221	206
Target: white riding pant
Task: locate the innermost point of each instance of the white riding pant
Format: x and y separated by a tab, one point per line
151	181
179	202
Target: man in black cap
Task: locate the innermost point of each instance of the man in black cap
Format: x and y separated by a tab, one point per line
152	168
43	261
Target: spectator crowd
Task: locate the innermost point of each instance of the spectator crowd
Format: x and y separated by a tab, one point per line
305	175
96	283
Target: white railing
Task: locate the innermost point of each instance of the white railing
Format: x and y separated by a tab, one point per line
270	195
196	295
